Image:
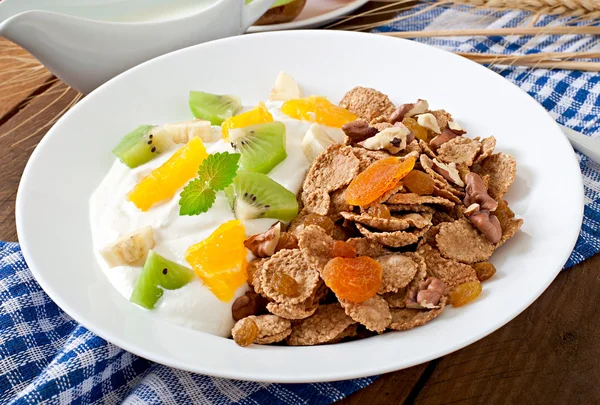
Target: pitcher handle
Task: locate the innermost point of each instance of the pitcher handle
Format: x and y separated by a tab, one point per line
253	11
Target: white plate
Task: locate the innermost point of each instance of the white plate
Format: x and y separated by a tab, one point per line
316	13
52	202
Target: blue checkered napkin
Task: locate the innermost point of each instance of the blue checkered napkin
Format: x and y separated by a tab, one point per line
45	356
571	97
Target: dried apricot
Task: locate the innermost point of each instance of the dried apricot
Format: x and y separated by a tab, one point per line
484	270
342	249
354	279
465	293
419	182
380	211
379	178
420	132
321	221
286	285
246	333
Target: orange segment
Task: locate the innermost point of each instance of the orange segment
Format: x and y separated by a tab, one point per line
220	260
318	109
258	115
379	178
164	181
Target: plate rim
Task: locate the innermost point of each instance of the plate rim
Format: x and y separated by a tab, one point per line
310	22
272	376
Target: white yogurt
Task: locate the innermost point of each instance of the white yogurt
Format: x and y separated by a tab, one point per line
112	215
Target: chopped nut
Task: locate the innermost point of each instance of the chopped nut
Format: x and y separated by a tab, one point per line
265	244
391	139
476	193
248	304
448	171
445	136
426	295
429	121
409	110
359	130
488	224
453	125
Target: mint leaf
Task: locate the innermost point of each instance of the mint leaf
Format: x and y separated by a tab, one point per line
197	197
219	169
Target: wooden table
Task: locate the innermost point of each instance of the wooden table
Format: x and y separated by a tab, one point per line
547	355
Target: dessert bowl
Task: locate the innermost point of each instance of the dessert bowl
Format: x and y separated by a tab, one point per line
52	203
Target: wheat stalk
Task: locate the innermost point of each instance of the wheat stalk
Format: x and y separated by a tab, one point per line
571	7
559	30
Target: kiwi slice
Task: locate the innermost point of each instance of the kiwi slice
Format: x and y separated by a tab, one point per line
215	108
259	196
142	145
262	146
158	274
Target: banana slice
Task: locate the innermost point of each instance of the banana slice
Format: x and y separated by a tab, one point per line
285	88
182	132
129	248
315	142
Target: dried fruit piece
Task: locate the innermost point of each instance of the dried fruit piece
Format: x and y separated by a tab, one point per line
286	285
420	132
503	212
317	109
353	279
484	270
304	221
245	334
379	178
465	293
258	115
342	249
163	182
419	183
380	211
220	260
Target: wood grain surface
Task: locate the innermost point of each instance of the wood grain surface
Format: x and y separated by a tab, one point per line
547	355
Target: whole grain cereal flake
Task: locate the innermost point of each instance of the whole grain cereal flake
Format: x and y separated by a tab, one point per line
398	299
438	179
338	204
399	223
328	322
292	263
415	199
410	208
315	244
316	202
502	170
398	271
271	328
333	169
367	247
509	229
287	310
405	318
460	150
350	331
253	270
368	157
373	313
460	241
368	104
451	272
426	149
393	239
487	148
444	193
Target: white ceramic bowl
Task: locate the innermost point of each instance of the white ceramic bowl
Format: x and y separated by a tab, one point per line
52	203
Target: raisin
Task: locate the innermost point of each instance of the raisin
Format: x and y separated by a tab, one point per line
380	211
321	221
484	270
420	132
503	212
247	333
286	285
419	183
342	249
354	279
465	293
379	178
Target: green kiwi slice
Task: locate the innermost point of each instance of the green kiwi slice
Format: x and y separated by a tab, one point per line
158	274
262	146
259	196
215	108
142	145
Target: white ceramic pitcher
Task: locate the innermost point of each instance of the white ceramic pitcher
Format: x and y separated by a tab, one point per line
84	43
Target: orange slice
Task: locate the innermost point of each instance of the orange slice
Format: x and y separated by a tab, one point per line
220	260
318	109
258	115
379	178
165	180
